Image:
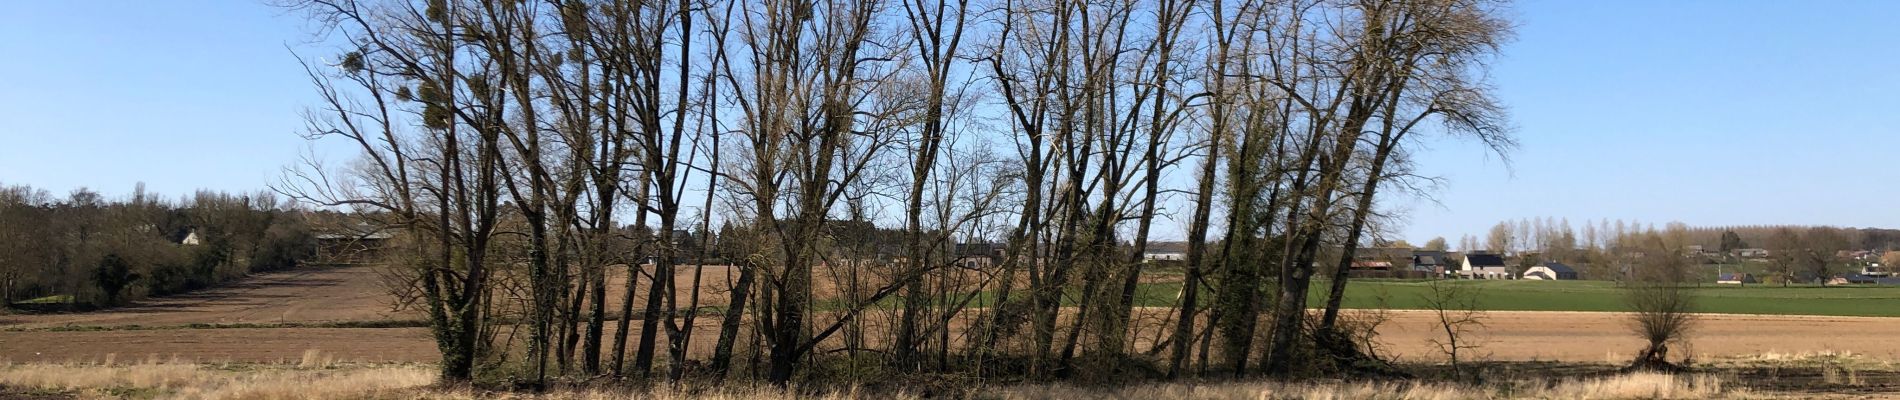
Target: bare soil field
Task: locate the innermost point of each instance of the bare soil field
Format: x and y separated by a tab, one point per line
248	345
1509	336
301	296
304	301
1606	337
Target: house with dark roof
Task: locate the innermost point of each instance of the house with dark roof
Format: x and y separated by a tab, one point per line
1484	266
1428	260
1551	271
977	255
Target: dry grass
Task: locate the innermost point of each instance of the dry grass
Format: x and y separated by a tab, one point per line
1632	386
315	377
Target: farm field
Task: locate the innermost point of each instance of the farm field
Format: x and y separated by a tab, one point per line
1530	295
343	313
1507	336
303	296
1604	296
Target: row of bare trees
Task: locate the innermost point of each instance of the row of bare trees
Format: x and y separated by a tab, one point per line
535	151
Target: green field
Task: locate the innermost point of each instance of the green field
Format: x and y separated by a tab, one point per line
1524	295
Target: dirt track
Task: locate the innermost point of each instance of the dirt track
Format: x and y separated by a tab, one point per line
355	294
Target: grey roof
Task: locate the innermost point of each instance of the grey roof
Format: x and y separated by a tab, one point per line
976	249
357	232
1166	247
1559	267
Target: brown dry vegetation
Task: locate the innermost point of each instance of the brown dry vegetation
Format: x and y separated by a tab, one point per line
314	377
317	375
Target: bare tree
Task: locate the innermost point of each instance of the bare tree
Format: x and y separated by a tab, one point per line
1457	314
936	30
1661	304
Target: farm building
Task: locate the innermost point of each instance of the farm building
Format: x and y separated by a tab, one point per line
1388	258
1165	251
1428	260
978	254
1484	266
353	245
1736	279
1876	270
1551	271
1372	265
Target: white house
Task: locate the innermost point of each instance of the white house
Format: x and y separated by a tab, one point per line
1551	271
1484	266
1165	251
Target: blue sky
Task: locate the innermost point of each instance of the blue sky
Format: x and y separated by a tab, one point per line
1705	112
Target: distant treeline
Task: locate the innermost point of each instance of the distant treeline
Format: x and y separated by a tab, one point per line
1602	249
85	250
1765	236
1551	235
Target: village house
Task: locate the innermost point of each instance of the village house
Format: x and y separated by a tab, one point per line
1165	251
1551	271
1429	261
1484	266
977	255
192	239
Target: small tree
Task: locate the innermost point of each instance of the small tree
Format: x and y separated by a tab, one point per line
1785	246
1731	242
1455	307
1822	245
1660	304
112	276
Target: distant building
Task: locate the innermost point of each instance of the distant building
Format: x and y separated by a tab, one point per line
978	255
1383	258
1551	271
192	239
1736	279
1752	253
1876	270
1372	265
1428	260
1165	251
1484	266
353	245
